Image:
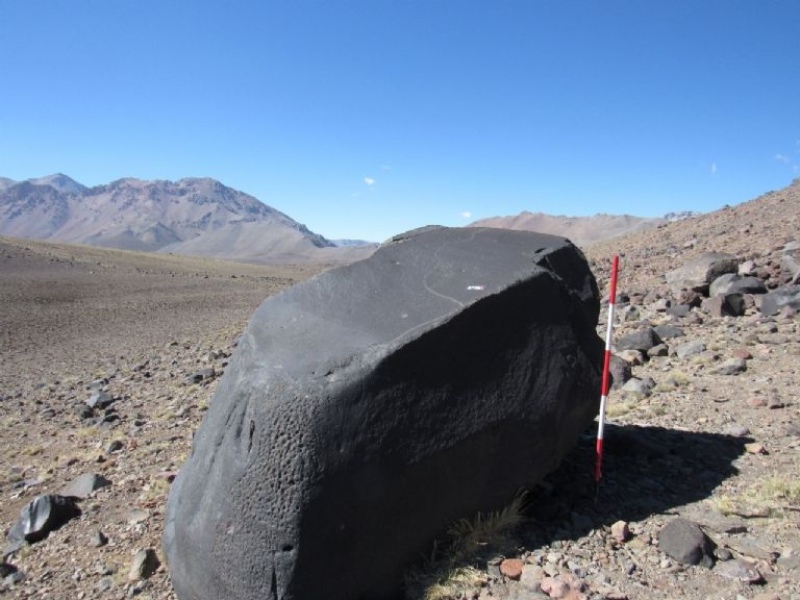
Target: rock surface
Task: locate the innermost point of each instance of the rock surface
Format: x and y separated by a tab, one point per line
370	407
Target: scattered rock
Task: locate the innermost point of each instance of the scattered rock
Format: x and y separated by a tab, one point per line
738	430
620	531
100	400
144	564
732	366
755	448
690	349
99	539
773	302
732	283
686	542
668	332
41	516
512	568
83	486
738	570
641	340
725	305
643	387
697	274
620	371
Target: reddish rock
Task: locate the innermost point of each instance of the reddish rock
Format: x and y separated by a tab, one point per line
512	568
742	353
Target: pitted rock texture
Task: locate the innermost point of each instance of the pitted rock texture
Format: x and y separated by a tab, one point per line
370	407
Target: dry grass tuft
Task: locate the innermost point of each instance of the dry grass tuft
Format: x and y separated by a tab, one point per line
451	570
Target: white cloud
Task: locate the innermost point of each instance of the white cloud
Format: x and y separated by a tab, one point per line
369	181
784	159
713	168
466	215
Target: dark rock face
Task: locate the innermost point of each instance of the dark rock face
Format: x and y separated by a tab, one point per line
370	407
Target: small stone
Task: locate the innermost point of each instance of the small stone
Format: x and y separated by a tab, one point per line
168	476
144	564
639	386
775	402
84	485
757	402
555	587
99	539
738	430
739	570
14	578
137	516
100	400
659	350
661	305
620	531
755	448
632	357
115	446
722	553
512	568
684	541
732	366
742	353
531	577
690	349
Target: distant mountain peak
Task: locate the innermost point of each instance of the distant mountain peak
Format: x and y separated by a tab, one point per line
60	182
194	215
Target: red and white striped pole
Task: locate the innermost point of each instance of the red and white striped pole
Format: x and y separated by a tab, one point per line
612	297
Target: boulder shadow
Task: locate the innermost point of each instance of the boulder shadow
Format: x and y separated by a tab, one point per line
646	470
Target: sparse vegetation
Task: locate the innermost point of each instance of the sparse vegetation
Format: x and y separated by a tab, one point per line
451	568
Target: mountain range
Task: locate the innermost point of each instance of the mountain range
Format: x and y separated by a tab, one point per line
581	230
190	216
201	216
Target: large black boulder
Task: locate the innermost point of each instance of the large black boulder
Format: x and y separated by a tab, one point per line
370	407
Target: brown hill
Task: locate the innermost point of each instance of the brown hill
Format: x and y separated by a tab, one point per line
581	230
172	216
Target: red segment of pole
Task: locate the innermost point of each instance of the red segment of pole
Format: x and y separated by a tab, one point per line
612	296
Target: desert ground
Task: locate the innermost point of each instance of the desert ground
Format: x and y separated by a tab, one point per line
716	447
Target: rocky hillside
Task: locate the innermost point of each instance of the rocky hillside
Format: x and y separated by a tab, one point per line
581	230
109	360
190	216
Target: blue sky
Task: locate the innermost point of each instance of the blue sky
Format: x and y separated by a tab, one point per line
365	118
